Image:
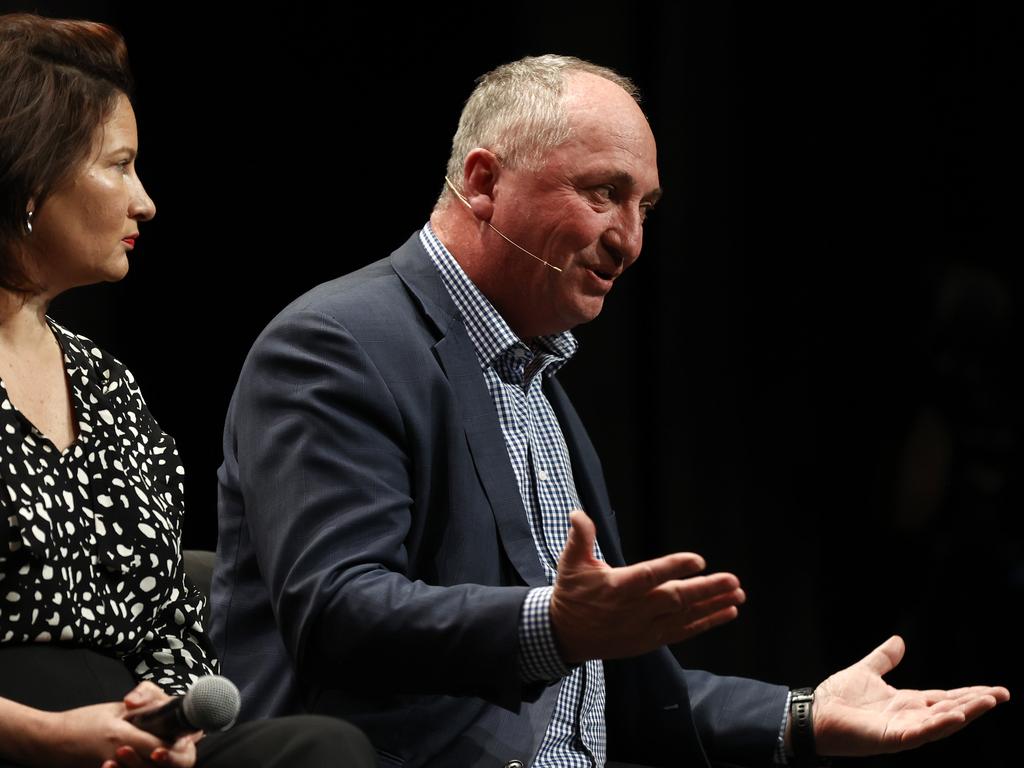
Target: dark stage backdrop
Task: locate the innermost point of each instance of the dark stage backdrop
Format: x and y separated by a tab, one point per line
811	377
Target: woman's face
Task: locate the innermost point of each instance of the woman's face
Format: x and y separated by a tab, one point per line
84	230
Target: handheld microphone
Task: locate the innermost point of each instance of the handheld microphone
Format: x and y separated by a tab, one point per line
210	705
498	231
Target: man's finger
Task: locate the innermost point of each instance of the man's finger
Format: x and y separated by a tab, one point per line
933	696
946	718
886	656
978	707
689	594
934	728
579	547
673	632
997	692
641	578
725	600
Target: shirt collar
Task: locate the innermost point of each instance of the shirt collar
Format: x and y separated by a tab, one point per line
492	338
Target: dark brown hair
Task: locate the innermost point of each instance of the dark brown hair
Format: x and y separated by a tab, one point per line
59	81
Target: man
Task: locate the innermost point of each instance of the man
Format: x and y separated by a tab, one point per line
396	543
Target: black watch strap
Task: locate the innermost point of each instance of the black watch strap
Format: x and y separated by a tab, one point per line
801	733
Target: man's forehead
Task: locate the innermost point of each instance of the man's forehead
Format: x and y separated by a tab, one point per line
593	102
608	125
585	90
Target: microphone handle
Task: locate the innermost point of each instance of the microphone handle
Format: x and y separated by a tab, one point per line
168	722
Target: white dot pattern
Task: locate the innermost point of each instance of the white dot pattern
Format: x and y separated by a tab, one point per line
90	538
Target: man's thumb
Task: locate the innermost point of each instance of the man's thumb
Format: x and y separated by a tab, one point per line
579	548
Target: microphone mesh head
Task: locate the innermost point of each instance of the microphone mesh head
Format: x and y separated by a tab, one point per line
212	703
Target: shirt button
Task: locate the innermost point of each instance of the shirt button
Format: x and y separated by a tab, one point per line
514	764
543	474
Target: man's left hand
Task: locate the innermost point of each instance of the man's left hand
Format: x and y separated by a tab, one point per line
857	713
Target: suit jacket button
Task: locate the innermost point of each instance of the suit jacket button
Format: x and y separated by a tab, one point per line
514	764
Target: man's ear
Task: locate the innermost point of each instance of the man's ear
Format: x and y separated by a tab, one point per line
479	175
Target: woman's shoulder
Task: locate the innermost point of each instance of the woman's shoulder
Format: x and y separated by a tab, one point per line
105	369
107	396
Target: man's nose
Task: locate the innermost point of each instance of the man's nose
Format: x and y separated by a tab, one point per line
625	237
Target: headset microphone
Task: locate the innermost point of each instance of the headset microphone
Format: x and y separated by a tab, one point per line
497	231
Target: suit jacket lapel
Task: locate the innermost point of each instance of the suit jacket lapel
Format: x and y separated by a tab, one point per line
455	353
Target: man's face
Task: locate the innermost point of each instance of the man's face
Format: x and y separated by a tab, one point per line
582	210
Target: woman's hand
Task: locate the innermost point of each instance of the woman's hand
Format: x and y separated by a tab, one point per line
146	697
93	736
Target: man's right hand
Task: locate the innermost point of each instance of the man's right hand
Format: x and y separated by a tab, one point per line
601	612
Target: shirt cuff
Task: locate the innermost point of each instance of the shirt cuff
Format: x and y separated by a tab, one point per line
781	758
539	659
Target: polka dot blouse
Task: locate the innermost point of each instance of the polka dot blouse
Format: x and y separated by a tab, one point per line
90	538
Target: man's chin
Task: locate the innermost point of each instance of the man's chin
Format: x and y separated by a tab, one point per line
584	313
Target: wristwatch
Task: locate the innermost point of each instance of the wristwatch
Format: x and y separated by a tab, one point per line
801	733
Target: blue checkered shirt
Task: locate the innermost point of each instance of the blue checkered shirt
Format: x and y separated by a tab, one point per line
514	371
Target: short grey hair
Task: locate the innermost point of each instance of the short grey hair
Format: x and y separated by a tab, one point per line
517	112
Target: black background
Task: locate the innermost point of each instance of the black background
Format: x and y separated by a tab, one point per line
811	377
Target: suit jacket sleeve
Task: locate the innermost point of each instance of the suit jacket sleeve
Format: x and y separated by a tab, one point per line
324	465
653	705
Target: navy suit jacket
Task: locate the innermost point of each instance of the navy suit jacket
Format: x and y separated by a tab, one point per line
374	553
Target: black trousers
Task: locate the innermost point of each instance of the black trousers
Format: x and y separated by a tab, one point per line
53	678
288	742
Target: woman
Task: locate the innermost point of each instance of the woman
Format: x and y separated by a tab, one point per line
93	598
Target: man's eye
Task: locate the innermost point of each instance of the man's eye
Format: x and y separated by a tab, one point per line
604	192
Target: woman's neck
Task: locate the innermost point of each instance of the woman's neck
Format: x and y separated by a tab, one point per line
23	320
